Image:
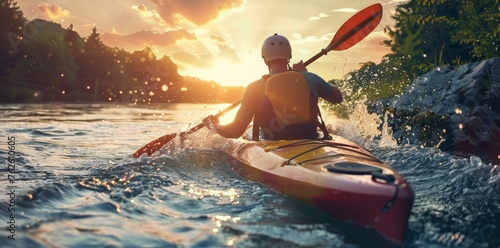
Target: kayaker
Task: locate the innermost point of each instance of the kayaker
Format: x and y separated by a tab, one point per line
284	103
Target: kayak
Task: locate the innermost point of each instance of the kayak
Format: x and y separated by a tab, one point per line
336	176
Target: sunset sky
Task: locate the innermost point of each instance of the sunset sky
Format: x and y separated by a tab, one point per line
220	40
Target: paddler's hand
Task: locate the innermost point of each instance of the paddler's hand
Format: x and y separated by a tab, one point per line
210	122
300	67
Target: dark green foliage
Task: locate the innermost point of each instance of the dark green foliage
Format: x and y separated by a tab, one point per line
11	23
428	34
479	26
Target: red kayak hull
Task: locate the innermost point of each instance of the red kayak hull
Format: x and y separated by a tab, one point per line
338	177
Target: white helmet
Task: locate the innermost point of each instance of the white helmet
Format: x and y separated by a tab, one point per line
276	47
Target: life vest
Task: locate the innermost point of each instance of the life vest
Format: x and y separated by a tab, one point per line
289	110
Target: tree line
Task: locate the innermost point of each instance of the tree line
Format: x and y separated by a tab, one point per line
41	61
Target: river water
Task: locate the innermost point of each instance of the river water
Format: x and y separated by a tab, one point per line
76	184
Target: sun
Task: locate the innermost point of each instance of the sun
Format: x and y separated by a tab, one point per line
227	73
238	74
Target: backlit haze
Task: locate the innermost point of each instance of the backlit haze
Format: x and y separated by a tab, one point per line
220	40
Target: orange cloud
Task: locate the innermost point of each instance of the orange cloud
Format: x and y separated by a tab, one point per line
207	60
203	61
225	52
217	39
150	15
140	7
146	38
53	12
197	12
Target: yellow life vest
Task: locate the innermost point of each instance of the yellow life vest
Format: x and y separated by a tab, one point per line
289	95
289	110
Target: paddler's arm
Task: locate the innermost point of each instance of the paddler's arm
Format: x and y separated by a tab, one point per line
244	116
322	89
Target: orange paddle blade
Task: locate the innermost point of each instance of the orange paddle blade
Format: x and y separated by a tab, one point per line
357	27
353	30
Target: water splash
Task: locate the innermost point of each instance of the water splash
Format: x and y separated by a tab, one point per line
362	127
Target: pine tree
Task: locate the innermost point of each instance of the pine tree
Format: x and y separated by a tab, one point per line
94	63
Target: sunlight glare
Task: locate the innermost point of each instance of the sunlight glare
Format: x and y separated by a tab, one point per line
228	117
227	73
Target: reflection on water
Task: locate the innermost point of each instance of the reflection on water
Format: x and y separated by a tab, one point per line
79	186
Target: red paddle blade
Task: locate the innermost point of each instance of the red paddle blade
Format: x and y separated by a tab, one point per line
357	27
154	145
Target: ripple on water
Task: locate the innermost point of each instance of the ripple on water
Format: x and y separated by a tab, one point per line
454	197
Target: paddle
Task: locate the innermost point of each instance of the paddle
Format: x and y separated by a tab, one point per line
158	143
350	33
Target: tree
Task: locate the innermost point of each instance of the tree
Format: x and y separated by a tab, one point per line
422	37
73	40
47	66
479	25
11	23
93	63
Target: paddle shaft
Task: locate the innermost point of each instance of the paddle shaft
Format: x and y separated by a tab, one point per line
221	113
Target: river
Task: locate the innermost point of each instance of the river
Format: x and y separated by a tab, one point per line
76	184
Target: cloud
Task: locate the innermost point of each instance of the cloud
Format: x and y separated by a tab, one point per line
146	38
228	54
197	12
149	15
203	61
225	51
345	10
297	36
140	7
53	12
217	39
206	60
321	15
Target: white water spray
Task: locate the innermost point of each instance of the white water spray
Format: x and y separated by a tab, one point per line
362	128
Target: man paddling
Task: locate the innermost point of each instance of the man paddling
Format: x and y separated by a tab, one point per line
284	103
